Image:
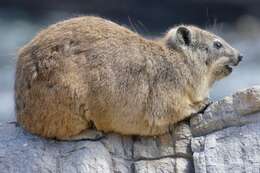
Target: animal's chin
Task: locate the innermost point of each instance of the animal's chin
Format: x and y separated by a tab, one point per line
225	71
228	68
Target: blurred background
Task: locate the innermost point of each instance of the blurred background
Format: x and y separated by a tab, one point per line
237	21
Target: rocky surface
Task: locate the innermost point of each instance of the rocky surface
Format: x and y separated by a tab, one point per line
225	138
241	108
228	135
22	152
235	149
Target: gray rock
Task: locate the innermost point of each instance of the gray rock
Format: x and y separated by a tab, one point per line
229	133
22	152
120	146
183	165
247	101
225	138
242	108
197	144
166	165
121	165
182	134
176	142
234	149
153	147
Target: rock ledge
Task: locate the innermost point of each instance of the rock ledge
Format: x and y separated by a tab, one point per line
225	138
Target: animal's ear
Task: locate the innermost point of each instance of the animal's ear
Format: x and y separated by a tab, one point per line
183	35
179	37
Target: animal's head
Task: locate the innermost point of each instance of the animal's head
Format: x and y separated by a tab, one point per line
214	54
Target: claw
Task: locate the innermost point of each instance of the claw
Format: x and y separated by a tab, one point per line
207	103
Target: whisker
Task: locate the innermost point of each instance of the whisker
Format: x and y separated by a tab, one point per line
131	24
144	27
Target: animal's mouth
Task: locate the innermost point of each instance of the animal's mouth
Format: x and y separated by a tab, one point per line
229	68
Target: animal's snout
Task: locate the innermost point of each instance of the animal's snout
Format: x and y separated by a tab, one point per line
240	57
237	60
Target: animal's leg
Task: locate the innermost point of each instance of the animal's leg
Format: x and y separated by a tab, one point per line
203	105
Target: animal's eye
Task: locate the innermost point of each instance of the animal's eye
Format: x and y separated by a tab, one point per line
217	45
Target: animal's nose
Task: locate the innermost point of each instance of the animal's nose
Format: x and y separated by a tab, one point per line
240	57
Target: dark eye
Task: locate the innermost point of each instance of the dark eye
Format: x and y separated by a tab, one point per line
217	45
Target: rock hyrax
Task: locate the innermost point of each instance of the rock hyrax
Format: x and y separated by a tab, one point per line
90	72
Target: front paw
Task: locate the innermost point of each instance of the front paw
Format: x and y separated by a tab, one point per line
202	106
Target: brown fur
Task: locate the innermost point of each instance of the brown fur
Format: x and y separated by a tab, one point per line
90	71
